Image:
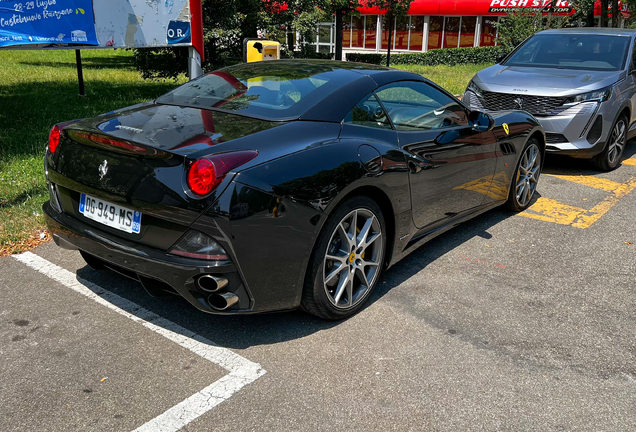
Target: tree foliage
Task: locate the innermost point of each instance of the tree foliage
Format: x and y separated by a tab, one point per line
227	22
521	23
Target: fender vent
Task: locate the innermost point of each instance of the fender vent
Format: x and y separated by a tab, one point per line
595	131
507	148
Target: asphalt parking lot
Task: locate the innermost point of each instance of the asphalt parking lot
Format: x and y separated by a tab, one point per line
508	322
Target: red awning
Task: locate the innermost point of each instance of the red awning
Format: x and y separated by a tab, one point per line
483	7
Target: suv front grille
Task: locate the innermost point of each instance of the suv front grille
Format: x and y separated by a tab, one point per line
535	105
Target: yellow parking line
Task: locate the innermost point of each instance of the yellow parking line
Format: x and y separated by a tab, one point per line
630	161
594	182
550	210
585	221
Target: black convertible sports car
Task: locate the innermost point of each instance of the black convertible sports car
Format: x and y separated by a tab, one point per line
283	184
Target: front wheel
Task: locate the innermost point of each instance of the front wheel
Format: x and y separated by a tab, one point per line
526	179
347	260
610	157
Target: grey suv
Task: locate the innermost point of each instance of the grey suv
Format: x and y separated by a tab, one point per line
579	83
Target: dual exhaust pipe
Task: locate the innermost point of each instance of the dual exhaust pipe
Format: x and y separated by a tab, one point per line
217	300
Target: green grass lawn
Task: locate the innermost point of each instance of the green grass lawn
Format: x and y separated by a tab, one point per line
39	89
452	78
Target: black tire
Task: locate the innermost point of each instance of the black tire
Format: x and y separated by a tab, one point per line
318	298
516	203
609	158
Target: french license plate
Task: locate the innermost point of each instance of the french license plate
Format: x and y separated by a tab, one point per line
111	215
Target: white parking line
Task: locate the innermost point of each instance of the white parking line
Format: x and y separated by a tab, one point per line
241	371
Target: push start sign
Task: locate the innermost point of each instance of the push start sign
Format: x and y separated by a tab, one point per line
503	6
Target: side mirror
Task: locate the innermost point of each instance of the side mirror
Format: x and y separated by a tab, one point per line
500	58
481	121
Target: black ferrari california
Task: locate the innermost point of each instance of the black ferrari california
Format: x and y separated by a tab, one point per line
284	184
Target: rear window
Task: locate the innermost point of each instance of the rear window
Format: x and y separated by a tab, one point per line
572	51
272	90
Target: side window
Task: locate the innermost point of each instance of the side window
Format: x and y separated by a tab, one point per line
414	105
368	112
634	58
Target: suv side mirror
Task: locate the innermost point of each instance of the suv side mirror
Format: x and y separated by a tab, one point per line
481	121
500	57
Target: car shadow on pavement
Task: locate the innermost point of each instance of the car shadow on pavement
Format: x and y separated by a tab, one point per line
556	164
244	331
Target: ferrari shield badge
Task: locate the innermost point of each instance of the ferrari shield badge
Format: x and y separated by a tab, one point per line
506	128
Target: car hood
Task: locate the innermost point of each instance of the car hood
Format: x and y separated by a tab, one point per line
544	81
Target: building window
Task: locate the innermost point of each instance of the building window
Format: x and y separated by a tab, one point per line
357	32
402	33
325	39
436	28
417	33
400	38
467	35
346	31
370	30
451	32
488	31
385	32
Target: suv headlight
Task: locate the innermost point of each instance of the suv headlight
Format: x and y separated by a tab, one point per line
597	95
474	88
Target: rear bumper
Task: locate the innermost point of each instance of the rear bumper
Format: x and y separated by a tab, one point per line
155	269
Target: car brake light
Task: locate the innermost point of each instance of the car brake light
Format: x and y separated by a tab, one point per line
100	139
54	138
205	174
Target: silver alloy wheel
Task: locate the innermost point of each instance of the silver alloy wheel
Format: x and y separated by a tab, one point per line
528	174
616	142
353	258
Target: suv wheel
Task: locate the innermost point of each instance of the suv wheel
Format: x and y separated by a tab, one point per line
609	158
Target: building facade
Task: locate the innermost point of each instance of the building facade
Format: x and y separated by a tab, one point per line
430	24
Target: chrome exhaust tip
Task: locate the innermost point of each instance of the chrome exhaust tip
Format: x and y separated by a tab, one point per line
209	283
222	301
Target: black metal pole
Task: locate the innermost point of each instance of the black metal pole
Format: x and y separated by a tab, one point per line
80	72
388	51
339	34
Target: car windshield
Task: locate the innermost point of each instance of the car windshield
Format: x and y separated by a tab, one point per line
275	90
572	51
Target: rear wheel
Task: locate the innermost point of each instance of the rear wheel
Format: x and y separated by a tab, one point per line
347	260
526	179
610	157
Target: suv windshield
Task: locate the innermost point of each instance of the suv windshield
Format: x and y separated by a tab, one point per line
572	51
275	90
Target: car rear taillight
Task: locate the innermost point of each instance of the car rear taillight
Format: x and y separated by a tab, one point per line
197	245
54	138
205	174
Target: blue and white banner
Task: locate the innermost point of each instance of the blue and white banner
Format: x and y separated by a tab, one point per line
47	22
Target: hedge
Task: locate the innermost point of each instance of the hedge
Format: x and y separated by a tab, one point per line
449	57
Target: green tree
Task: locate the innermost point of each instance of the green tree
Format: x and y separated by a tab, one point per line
394	9
227	22
521	23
